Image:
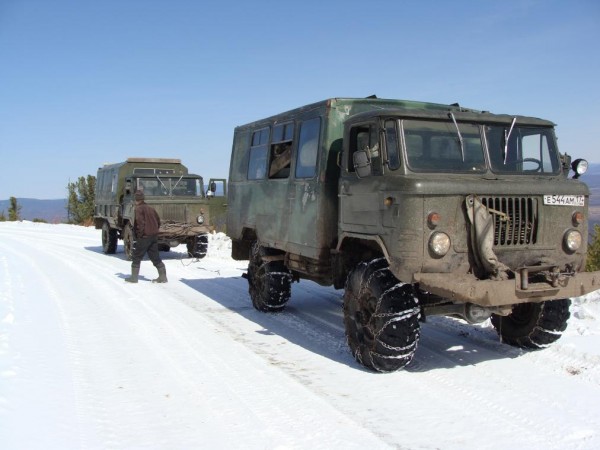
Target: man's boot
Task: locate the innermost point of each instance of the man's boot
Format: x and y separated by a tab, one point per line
162	275
135	271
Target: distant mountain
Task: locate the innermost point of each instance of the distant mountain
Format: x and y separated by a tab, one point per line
52	211
593	169
592	179
55	211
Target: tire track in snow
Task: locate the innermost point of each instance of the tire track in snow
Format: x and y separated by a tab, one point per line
460	397
183	338
452	375
35	367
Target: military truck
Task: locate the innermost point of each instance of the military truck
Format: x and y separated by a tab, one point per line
416	209
178	196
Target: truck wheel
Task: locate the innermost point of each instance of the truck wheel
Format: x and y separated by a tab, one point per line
109	239
533	325
381	316
197	247
128	241
269	282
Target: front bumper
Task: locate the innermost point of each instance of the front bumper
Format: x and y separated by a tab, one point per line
176	231
467	288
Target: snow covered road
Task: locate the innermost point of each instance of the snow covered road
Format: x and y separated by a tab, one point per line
89	361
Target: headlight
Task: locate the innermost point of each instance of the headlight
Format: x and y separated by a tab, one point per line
439	243
579	166
200	219
573	240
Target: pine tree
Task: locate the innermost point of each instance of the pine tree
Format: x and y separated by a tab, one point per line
81	198
14	210
593	252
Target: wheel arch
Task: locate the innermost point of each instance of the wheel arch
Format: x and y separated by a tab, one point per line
240	247
365	243
352	249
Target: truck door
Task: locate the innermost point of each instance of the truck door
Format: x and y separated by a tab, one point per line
269	179
216	196
303	229
361	183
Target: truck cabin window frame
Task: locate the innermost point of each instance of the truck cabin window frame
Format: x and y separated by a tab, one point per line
443	146
257	157
308	148
280	156
530	150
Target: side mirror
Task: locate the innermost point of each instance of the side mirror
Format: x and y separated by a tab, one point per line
128	187
362	163
565	163
213	186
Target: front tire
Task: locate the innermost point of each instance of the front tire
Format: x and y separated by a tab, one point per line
533	325
381	316
197	247
109	239
269	281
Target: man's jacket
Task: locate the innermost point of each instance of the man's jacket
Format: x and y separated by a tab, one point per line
147	221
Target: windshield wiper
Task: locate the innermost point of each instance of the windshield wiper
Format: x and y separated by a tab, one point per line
175	185
460	138
507	137
163	184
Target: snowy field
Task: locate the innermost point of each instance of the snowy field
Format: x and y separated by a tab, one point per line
88	361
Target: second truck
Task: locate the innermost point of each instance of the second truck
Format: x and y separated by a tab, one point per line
180	198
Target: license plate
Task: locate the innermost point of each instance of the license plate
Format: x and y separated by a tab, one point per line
564	200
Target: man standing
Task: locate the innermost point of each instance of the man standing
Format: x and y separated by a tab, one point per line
146	227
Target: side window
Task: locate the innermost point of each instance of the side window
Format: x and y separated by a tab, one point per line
257	166
391	143
281	150
308	148
536	147
365	138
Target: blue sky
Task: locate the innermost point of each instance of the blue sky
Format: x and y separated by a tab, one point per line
86	82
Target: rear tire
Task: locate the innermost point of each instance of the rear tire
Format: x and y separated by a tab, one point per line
109	239
128	241
381	316
269	282
533	325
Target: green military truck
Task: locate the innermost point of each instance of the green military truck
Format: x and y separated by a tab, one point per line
178	196
416	209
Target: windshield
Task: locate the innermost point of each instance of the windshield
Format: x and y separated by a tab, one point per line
161	186
530	150
435	146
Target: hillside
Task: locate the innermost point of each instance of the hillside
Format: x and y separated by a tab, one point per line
592	179
52	211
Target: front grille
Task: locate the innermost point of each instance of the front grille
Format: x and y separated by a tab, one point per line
170	212
515	220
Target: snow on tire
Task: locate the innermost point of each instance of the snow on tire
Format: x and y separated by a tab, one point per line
381	316
109	239
533	325
269	281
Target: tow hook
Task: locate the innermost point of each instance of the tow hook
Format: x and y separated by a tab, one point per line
553	275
